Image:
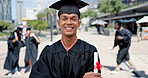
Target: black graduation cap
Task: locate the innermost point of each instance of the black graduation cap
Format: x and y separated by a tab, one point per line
28	29
19	28
68	6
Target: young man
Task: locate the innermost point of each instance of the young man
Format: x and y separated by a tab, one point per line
123	39
31	42
69	57
14	44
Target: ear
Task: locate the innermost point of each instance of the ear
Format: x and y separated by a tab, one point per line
79	23
58	22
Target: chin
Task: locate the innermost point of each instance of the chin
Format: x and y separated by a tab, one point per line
69	34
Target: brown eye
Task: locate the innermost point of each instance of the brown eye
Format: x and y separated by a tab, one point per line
63	18
74	19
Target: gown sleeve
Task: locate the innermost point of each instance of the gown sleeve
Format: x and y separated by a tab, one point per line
127	36
115	40
40	68
91	64
9	42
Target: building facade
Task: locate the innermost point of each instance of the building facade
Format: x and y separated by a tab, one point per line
20	11
130	2
5	10
31	13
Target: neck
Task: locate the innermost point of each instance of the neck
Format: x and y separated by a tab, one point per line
68	42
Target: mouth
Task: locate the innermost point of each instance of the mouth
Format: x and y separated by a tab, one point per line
69	29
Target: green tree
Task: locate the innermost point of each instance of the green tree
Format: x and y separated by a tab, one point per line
41	16
50	11
89	13
44	15
110	7
38	25
4	25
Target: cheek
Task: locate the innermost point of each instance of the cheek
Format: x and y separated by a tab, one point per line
60	24
78	25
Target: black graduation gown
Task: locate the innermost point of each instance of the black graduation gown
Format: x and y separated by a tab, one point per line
13	53
124	45
126	34
56	62
31	50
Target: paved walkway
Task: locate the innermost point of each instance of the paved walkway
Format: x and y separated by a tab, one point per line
138	51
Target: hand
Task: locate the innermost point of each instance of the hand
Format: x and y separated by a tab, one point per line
97	75
32	35
36	38
26	34
92	75
14	40
119	37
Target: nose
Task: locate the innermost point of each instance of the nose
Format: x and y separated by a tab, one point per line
69	22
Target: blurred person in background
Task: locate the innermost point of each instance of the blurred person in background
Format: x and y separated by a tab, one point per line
31	42
139	32
14	44
123	40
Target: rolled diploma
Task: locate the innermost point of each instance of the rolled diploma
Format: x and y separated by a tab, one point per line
15	35
95	61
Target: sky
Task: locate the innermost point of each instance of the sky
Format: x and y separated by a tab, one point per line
30	4
33	3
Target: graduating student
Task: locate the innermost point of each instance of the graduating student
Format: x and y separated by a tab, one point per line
14	44
69	57
31	42
123	40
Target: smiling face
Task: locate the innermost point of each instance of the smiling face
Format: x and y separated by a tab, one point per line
68	24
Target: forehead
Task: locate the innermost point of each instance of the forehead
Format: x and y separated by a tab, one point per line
28	31
69	15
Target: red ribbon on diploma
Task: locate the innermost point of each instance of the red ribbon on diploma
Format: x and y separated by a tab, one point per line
98	66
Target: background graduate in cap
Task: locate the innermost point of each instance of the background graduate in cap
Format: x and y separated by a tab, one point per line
69	57
31	42
14	44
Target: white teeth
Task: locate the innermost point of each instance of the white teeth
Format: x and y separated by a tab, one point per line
68	28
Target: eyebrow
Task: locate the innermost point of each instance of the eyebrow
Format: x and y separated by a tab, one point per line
74	17
63	16
66	16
